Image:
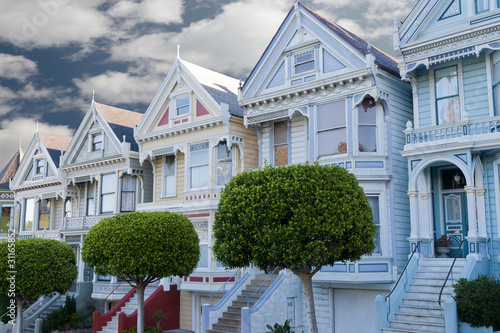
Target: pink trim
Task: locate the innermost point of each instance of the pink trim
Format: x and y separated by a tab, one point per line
164	119
185	120
196	279
177	122
190	216
223	279
101	320
200	109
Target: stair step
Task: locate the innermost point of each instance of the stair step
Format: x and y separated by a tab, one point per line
428	327
232	315
430	289
425	310
420	318
227	328
230	321
425	295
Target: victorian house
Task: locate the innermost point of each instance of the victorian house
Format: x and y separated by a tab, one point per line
320	93
449	51
6	195
193	138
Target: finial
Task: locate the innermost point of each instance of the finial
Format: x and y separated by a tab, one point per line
20	140
37	126
178	51
93	95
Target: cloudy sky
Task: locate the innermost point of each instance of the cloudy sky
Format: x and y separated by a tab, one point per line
54	53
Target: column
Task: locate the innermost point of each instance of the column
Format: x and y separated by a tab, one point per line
481	213
425	211
471	211
413	194
81	265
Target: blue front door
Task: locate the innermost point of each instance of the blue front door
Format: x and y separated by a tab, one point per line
455	221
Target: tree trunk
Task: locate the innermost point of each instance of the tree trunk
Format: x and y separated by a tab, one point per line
19	320
309	298
140	306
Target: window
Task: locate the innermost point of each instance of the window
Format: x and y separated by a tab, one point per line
447	102
67	208
90	199
128	193
198	165
169	185
182	106
280	143
482	6
44	214
108	187
374	204
496	82
304	62
97	142
29	214
367	126
40	166
6	218
332	132
203	236
224	164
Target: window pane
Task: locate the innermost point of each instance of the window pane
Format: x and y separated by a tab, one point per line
67	208
367	112
281	155
304	62
44	217
453	209
307	66
97	142
182	105
199	176
198	161
128	202
223	154
29	213
90	207
496	96
40	166
446	82
367	136
128	183
374	204
331	115
224	164
170	185
332	142
496	72
108	203
170	165
108	183
280	133
6	211
482	5
169	176
448	110
203	262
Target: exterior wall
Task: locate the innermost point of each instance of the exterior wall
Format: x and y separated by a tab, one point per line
186	311
250	149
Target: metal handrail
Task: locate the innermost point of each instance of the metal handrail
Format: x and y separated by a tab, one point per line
112	291
271	275
224	287
404	270
449	272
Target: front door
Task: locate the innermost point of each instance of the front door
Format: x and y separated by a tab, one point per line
455	221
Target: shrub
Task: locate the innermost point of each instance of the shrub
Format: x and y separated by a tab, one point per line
478	302
148	329
285	328
62	318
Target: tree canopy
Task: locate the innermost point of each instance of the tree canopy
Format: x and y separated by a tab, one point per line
299	217
142	247
35	267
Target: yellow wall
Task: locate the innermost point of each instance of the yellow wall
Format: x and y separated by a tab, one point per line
186	311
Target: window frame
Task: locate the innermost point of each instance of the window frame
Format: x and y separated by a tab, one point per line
374	125
32	213
44	210
300	53
205	146
204	245
40	169
165	176
458	96
94	143
220	163
107	194
133	191
335	128
378	249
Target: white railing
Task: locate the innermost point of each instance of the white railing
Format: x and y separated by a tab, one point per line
84	222
47	234
452	131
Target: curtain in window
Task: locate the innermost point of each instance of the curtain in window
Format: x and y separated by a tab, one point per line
332	133
199	171
108	193
447	101
367	126
169	176
44	216
128	193
67	208
29	214
224	164
376	220
90	199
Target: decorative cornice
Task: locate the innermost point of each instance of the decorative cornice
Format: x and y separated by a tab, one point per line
94	164
35	186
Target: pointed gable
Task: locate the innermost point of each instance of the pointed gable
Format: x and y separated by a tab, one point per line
55	144
10	169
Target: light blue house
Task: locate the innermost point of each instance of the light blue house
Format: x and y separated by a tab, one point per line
448	51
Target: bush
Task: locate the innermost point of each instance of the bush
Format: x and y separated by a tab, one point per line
478	302
285	328
62	318
148	329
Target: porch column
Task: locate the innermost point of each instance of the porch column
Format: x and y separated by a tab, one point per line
481	213
425	210
81	265
471	211
413	194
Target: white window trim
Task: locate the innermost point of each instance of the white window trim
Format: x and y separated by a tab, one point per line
348	123
163	163
91	135
233	171
372	190
187	168
379	124
100	194
173	104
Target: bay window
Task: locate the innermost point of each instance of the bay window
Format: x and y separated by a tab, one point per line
198	165
44	214
224	164
367	126
169	185
280	137
374	204
128	194
108	187
90	199
331	129
29	214
447	97
203	237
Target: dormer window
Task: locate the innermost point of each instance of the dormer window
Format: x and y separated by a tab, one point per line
97	142
482	6
40	166
182	106
304	62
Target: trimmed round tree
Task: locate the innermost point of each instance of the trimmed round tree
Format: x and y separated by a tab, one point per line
142	247
299	217
30	268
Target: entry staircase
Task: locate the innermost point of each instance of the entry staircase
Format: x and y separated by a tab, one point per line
420	311
231	319
130	306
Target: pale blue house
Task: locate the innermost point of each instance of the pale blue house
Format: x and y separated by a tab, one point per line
448	51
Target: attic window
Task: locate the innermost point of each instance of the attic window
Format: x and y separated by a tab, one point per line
482	6
97	142
40	166
182	106
304	62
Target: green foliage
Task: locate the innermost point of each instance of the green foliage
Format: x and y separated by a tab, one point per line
158	317
299	217
285	328
64	317
42	266
142	246
478	302
148	329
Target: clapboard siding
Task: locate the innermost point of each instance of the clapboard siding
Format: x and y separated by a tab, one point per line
475	87
424	100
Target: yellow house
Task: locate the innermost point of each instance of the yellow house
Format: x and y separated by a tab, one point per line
193	136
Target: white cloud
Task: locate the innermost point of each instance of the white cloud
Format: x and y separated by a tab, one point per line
11	131
16	67
155	11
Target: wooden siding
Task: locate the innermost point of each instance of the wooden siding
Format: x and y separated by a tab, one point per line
186	310
424	99
58	214
266	141
475	87
180	164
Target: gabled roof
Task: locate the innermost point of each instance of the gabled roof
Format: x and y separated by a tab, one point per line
223	88
121	121
10	169
55	144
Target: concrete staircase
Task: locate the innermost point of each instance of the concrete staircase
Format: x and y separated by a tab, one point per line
420	311
128	308
231	319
